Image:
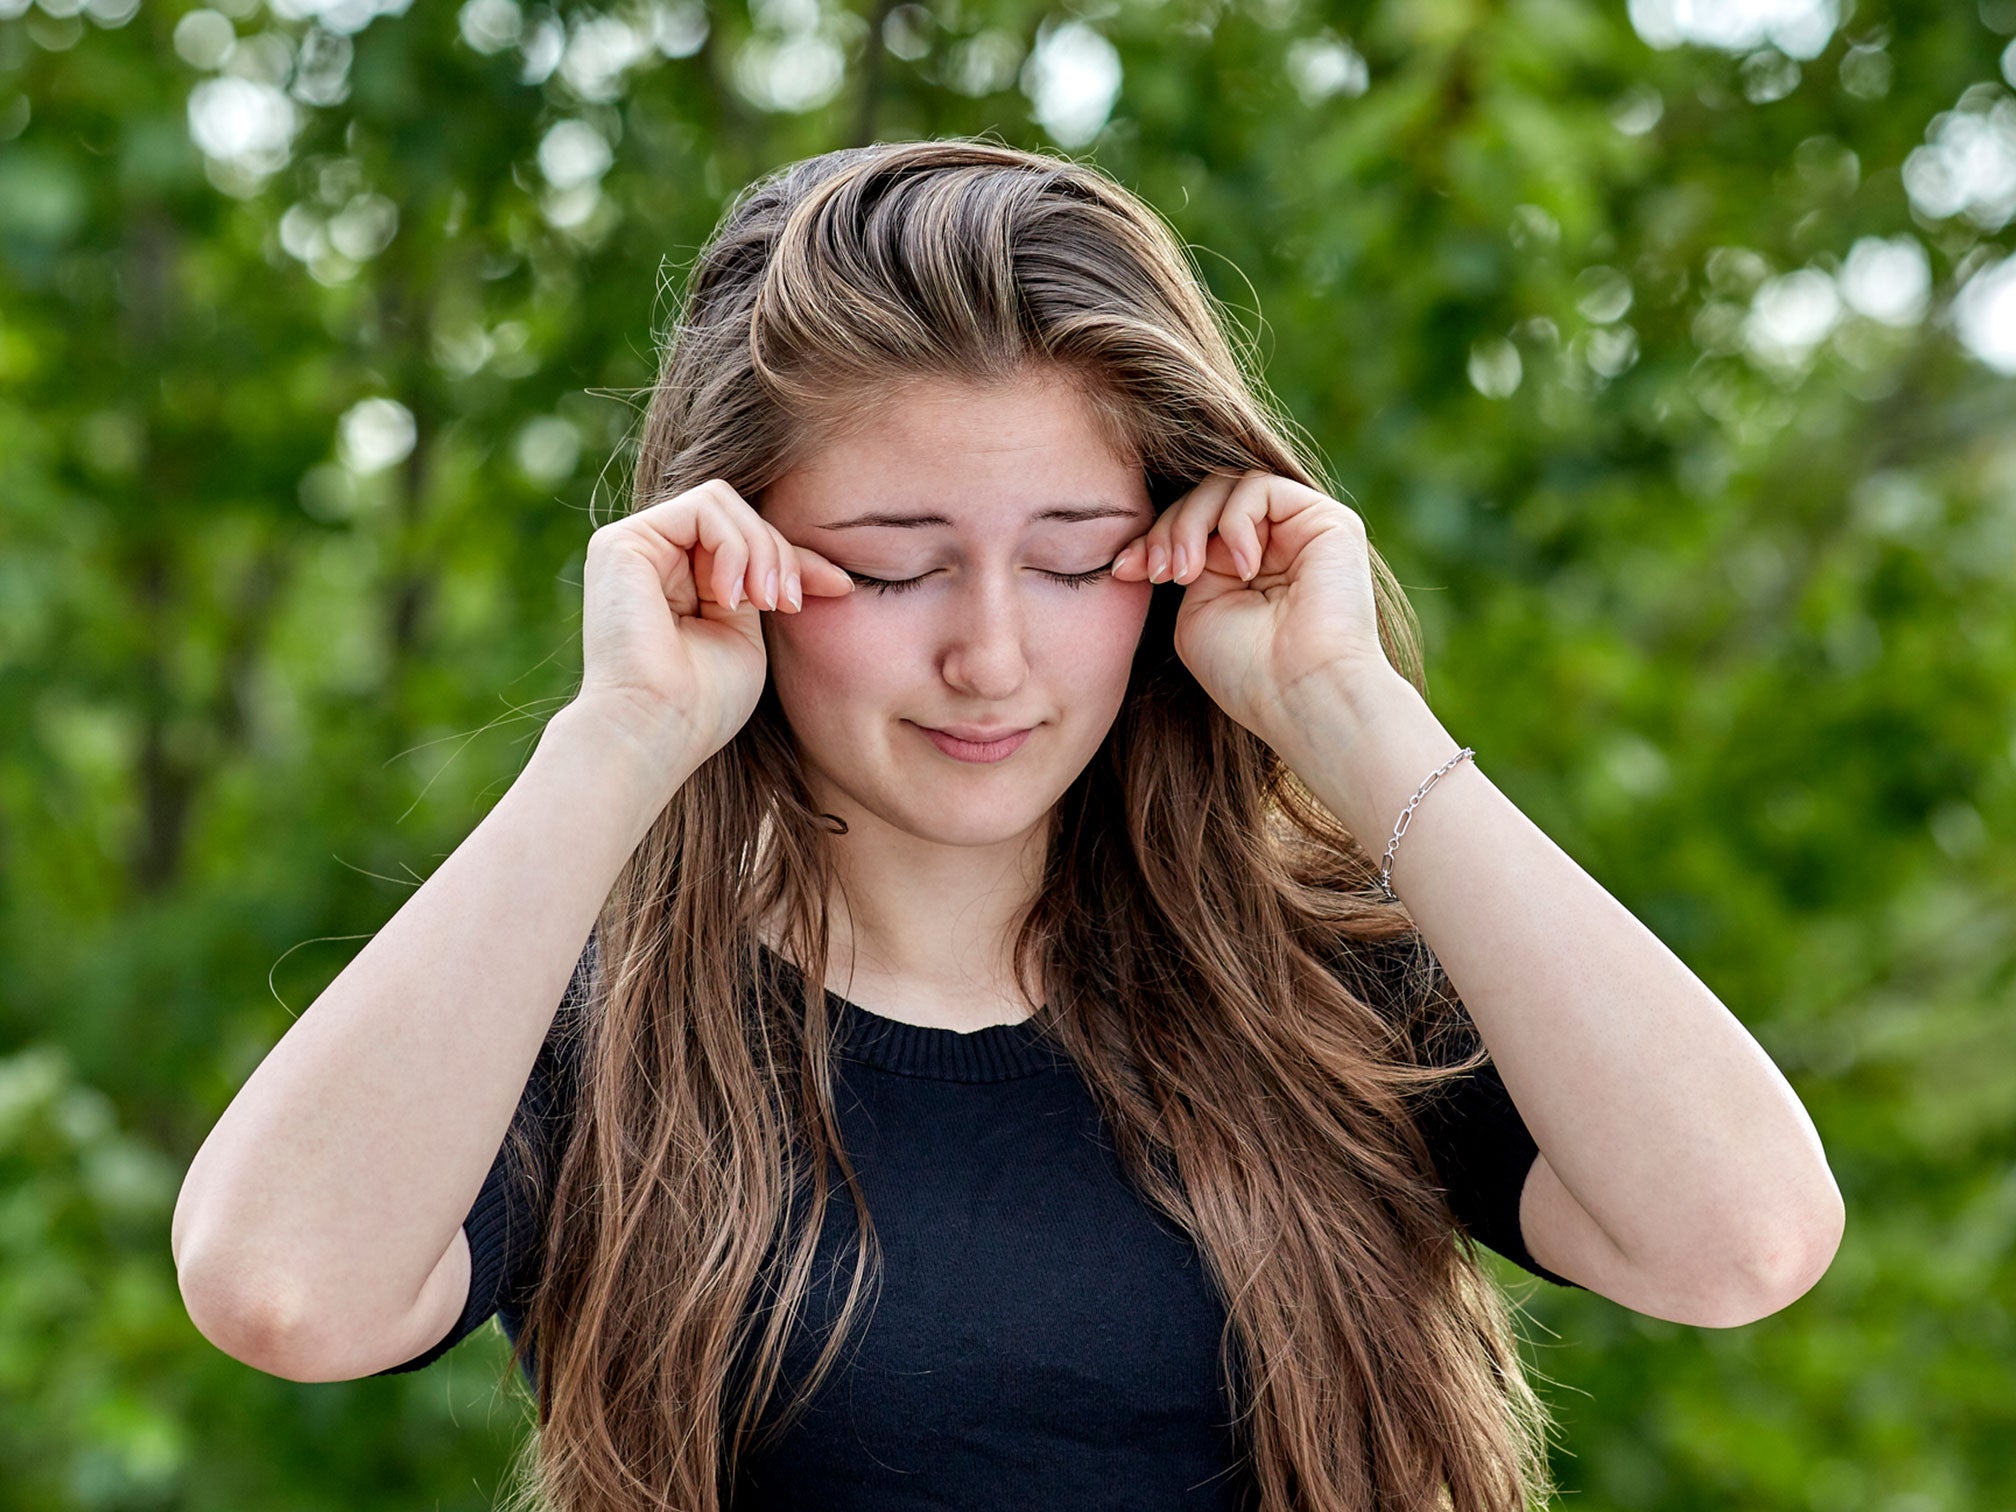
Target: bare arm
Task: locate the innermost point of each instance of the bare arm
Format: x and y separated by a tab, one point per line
1681	1176
318	1231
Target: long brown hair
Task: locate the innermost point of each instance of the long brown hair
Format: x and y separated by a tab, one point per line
1215	957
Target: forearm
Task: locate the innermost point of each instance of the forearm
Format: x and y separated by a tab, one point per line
1655	1107
338	1175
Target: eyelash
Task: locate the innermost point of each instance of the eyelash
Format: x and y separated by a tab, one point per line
1069	579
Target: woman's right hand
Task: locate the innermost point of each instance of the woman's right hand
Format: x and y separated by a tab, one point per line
672	645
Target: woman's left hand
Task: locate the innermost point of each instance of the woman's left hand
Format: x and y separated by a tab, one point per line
1279	590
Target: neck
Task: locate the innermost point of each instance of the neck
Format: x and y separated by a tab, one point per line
927	939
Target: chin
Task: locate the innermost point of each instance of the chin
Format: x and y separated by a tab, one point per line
995	824
947	813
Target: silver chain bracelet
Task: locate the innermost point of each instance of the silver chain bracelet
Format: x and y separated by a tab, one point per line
1406	814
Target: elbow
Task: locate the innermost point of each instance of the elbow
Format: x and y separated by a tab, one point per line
256	1324
1784	1265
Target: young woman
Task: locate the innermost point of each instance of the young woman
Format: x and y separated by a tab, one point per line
1000	798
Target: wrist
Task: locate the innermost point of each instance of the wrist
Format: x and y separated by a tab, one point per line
638	761
1363	746
1335	709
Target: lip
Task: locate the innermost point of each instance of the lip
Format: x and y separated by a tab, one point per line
979	734
1001	743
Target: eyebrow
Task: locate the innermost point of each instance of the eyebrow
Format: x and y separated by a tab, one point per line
1069	513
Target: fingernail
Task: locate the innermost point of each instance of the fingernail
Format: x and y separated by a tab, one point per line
1181	563
1245	571
797	594
770	586
735	593
1158	561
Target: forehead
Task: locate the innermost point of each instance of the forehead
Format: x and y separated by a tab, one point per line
983	457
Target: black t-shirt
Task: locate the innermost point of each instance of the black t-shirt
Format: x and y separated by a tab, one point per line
1042	1336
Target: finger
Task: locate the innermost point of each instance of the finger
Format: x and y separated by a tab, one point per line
796	563
672	531
1149	553
1190	522
730	566
758	579
1132	560
1239	525
817	575
718	550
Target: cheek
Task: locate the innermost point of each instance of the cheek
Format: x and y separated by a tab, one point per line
1089	641
835	654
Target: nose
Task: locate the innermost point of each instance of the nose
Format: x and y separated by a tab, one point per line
985	649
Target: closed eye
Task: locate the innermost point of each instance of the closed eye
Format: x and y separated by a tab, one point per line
886	585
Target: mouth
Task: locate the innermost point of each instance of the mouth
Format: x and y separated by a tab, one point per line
1000	743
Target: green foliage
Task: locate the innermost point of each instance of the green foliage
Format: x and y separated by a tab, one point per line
298	457
88	1343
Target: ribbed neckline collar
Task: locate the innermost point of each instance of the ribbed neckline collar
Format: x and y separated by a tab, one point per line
998	1052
